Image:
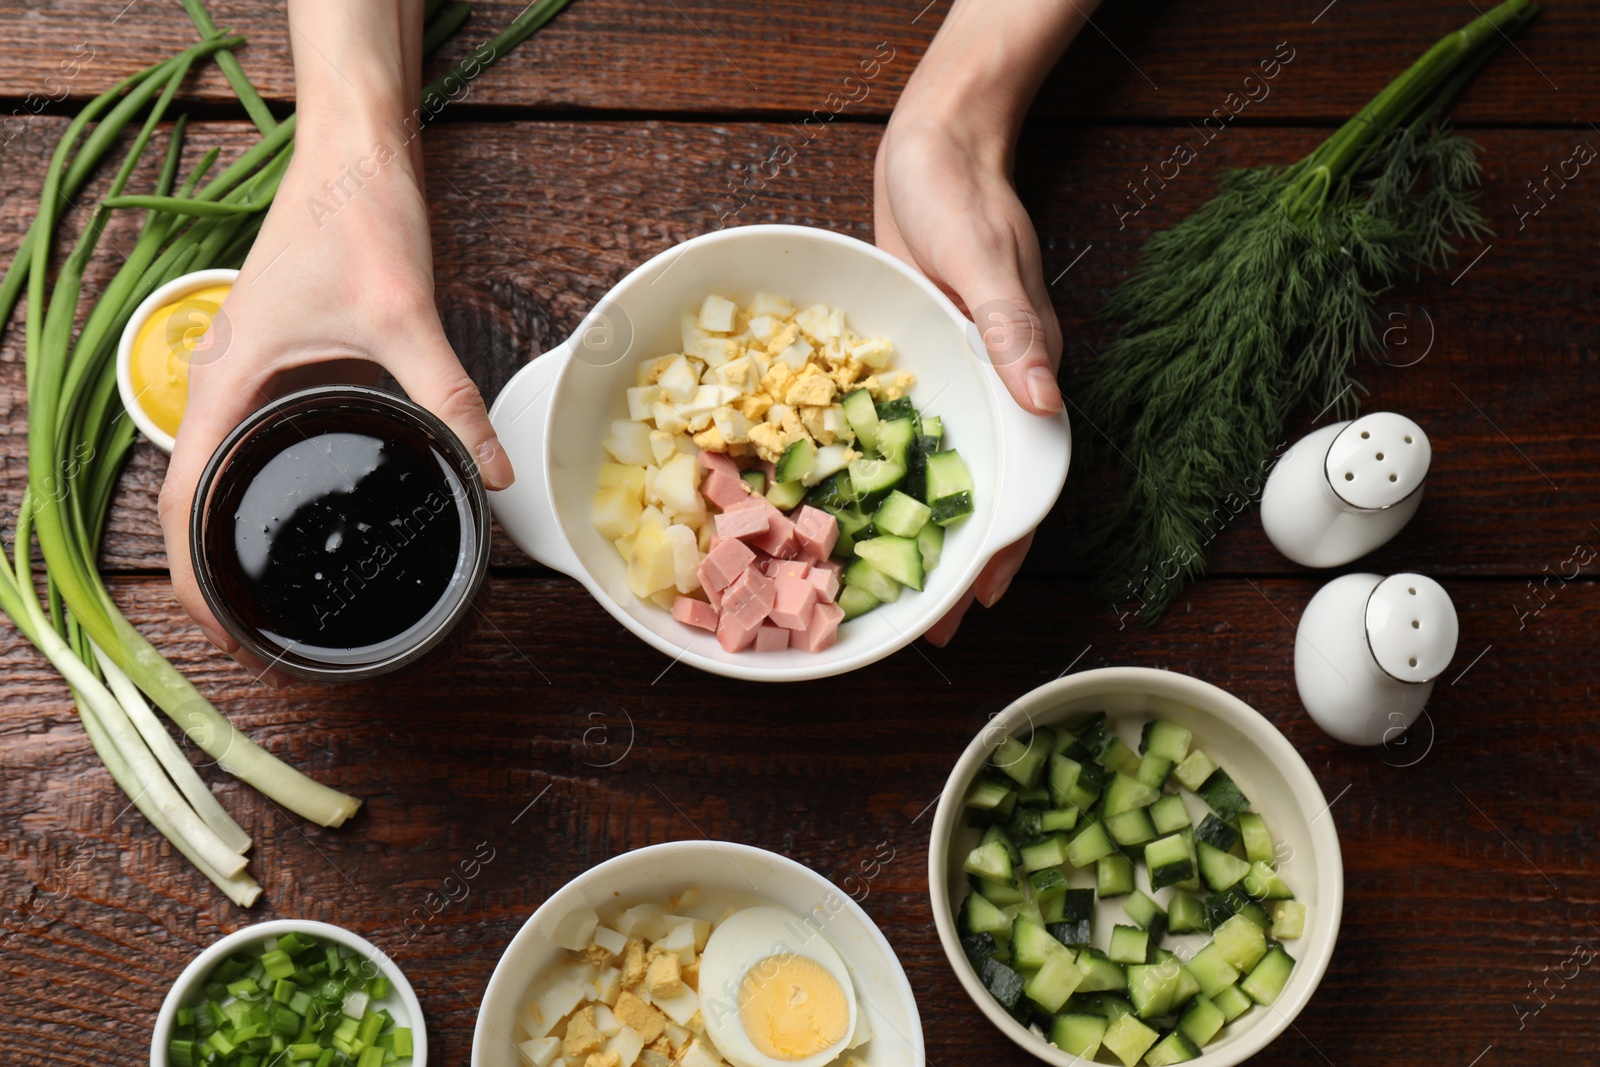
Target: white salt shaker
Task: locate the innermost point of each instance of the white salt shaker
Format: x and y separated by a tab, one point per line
1368	651
1345	489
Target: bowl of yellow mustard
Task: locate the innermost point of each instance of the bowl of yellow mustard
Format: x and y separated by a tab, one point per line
161	341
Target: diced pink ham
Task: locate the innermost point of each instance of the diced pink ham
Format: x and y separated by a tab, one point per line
734	635
749	599
717	461
794	602
823	631
769	468
742	523
826	579
751	501
723	489
779	539
816	531
724	563
713	595
789	568
693	612
772	639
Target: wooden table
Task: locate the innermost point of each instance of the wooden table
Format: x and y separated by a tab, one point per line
622	129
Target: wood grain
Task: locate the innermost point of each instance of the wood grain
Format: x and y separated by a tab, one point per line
1141	59
1467	872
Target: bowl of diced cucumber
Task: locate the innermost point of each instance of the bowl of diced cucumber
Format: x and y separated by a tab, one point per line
1130	866
292	992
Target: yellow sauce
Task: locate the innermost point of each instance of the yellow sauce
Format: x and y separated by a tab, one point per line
159	367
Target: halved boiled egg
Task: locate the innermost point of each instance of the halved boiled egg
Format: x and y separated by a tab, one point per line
774	992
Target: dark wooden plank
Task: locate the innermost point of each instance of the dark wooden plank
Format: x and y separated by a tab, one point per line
1146	59
1503	386
1468	872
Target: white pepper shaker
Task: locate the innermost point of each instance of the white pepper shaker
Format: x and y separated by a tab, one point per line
1345	489
1368	651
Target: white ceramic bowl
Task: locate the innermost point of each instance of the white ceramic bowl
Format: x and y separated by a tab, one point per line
1252	751
401	1001
173	290
726	874
552	417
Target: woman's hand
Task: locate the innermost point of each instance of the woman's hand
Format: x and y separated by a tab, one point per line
338	287
944	202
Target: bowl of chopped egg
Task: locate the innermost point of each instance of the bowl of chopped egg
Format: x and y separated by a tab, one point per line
699	954
774	453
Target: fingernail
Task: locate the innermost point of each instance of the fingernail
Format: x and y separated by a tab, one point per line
1043	390
221	641
994	598
492	462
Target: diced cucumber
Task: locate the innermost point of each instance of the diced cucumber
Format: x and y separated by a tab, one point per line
1142	910
1223	794
1264	883
1169	814
862	416
1266	980
1049	851
947	475
834	491
1168	861
797	461
1212	971
1058	819
1002	982
1128	1039
1100	972
1079	905
980	916
1048	880
999	894
1124	793
1106	1005
870	475
978	947
1191	883
1129	944
1021	761
1163	739
1201	1021
1031	945
932	427
1220	869
902	516
854	601
1086	791
1131	827
948	510
898	408
1063	776
1185	914
995	833
1194	769
992	863
898	557
1088	845
1153	770
756	480
930	542
1174	1048
1077	1034
1037	797
1113	876
1241	942
1257	842
784	495
989	790
1025	823
851	521
864	576
1233	1002
1074	933
895	438
1288	919
1053	983
1216	833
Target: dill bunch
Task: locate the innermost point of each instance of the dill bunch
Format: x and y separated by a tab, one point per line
1261	300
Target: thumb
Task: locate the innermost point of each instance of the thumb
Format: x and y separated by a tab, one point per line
433	377
1016	328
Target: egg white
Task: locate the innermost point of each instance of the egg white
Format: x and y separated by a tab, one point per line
743	940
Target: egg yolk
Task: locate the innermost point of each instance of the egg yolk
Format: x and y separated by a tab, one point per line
162	348
792	1008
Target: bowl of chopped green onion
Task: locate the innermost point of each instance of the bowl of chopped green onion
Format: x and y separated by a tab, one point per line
1133	866
295	993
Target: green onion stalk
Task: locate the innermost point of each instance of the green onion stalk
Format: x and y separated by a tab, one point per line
79	437
1261	300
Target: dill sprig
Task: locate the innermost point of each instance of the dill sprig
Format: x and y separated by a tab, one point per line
1263	299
